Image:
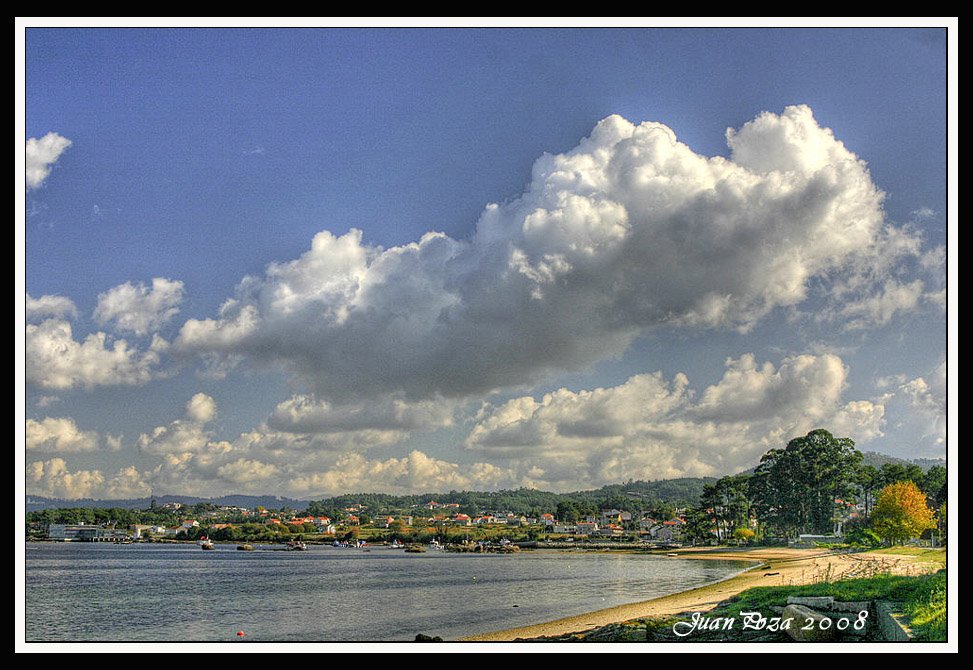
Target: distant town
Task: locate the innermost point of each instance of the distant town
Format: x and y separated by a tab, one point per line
767	506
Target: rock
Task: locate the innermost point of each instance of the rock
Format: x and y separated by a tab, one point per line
426	638
849	627
800	616
817	602
851	606
889	626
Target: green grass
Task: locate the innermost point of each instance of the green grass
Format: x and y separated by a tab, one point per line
926	609
923	554
880	587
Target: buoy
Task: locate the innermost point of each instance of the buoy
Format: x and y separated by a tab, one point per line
240	633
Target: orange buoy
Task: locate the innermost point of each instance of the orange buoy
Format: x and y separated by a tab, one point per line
240	633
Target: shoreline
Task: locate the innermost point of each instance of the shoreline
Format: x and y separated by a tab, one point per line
772	567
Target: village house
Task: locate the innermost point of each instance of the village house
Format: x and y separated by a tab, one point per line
587	527
139	529
564	528
461	520
611	530
669	531
548	519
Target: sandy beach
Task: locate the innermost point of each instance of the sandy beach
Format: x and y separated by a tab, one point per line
786	567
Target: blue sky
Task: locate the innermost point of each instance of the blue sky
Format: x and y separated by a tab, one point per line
589	310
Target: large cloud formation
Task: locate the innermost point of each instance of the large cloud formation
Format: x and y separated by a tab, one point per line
41	155
648	427
630	230
651	428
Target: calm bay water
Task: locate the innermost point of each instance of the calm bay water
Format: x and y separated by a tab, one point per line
83	592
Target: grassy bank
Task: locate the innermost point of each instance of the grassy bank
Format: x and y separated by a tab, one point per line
781	569
923	598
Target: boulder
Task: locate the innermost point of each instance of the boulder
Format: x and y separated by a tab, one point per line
799	615
816	602
851	606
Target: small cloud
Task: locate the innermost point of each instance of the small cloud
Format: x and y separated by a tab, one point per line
46	400
139	309
41	156
923	214
255	151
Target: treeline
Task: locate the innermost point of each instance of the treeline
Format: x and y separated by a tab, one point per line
812	483
632	496
155	515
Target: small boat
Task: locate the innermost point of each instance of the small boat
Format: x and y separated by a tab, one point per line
296	545
396	545
206	543
244	547
436	546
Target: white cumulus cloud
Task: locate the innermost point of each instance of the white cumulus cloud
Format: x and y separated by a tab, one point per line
139	309
54	479
928	397
186	435
48	306
59	435
55	360
651	428
42	154
627	231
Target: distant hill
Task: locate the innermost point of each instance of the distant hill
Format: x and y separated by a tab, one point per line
877	460
35	503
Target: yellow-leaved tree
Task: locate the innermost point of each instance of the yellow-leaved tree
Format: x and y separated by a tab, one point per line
901	512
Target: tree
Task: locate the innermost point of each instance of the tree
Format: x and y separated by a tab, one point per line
729	501
566	512
933	482
901	513
744	535
794	489
699	526
898	472
869	481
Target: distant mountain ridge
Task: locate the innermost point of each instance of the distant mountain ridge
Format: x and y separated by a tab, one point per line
35	503
877	460
680	491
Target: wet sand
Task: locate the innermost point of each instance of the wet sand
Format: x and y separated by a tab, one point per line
788	567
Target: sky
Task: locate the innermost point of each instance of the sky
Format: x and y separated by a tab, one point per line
308	262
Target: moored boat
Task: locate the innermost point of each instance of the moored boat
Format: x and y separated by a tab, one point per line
206	543
296	545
